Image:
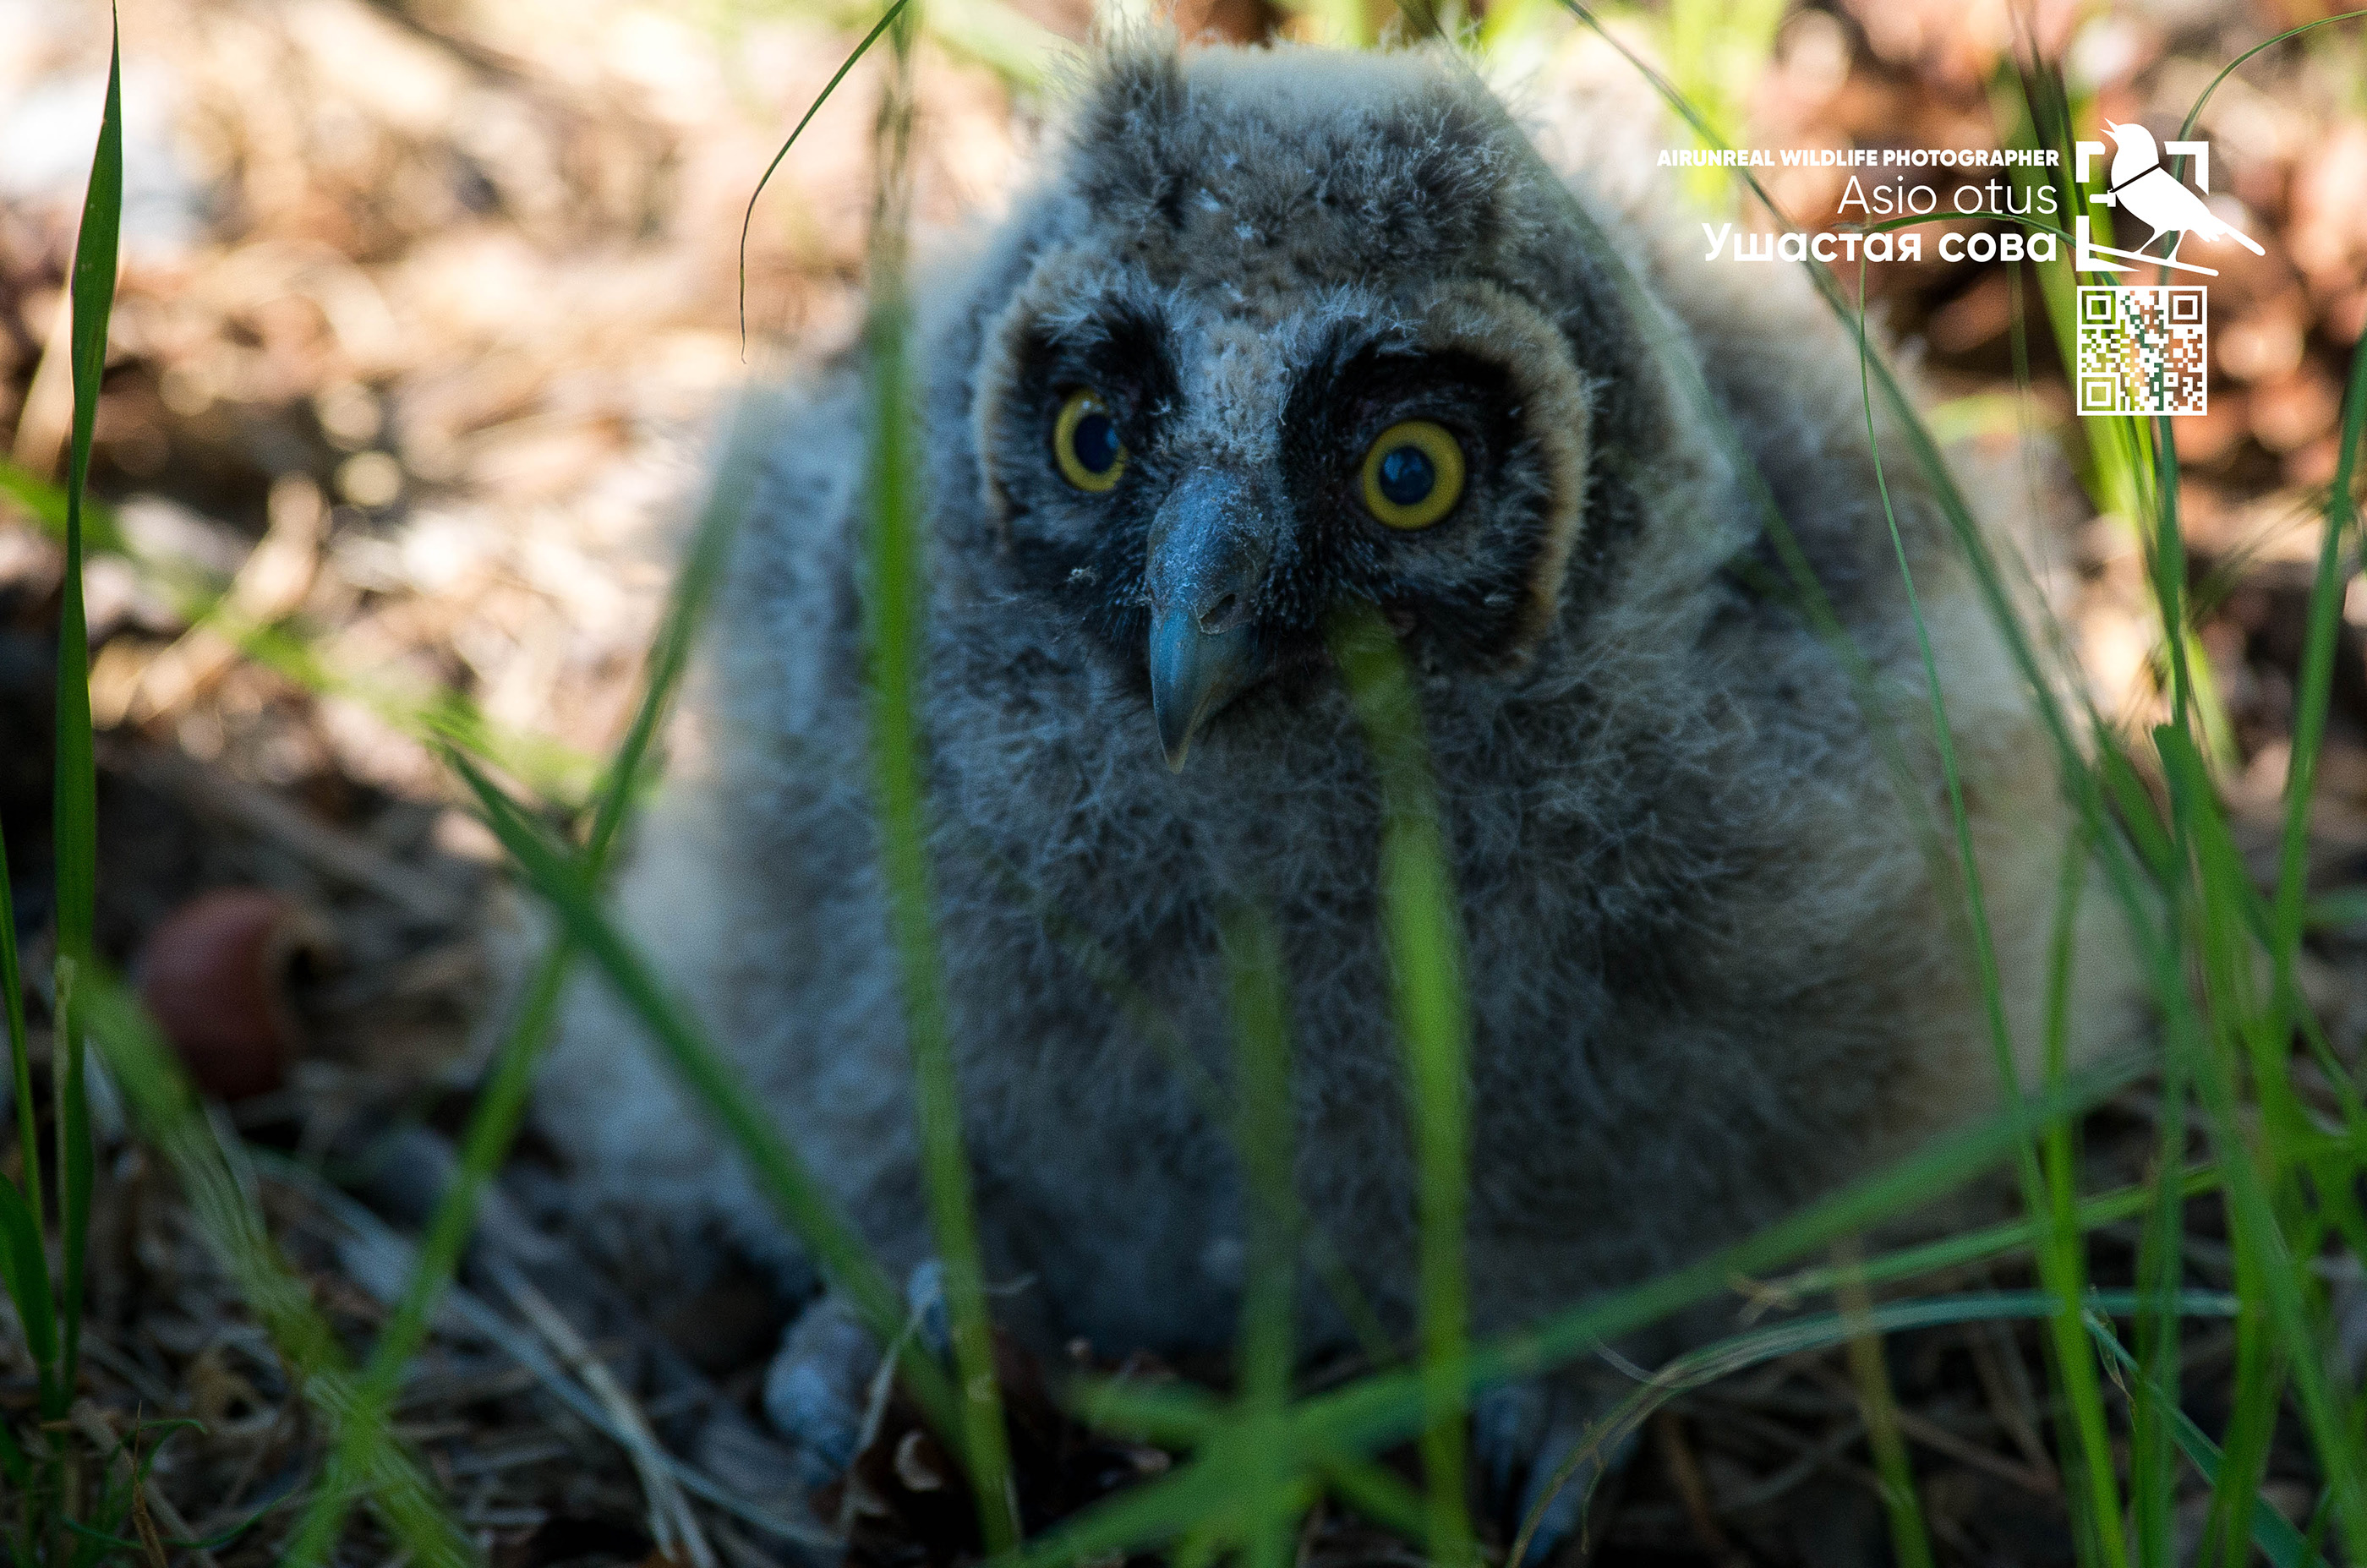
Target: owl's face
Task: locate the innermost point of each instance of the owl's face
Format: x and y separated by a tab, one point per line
1274	353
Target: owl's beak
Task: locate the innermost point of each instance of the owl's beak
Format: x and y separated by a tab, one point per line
1192	675
1208	557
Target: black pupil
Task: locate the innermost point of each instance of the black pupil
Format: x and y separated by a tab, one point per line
1095	443
1406	476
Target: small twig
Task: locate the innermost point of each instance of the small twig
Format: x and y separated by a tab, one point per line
1669	1429
874	1414
1823	1454
1997	1360
671	1524
147	1503
479	1316
1934	1435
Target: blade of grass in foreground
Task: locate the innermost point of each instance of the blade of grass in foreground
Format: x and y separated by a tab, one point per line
170	1119
1264	1117
1383	1408
2314	693
75	799
2215	893
75	795
895	608
2267	1256
1424	926
493	1121
1878	1403
2257	1155
1977	1246
782	1176
2278	1540
2062	1253
2070	1372
748	218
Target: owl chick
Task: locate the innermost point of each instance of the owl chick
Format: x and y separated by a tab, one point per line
1280	332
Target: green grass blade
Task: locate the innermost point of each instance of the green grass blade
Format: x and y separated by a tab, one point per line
1727	1358
2186	128
781	1175
1910	1539
2314	693
2278	1540
2227	906
2063	1261
1173	1415
748	218
1261	1084
2165	559
2253	1223
1422	921
493	1121
74	794
75	1171
2152	1479
1977	1246
894	611
1163	1509
2219	898
15	1465
1263	1120
75	800
1377	1494
172	1121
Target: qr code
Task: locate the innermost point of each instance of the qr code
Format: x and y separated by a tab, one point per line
2141	351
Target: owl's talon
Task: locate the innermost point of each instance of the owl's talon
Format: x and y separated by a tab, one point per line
818	1389
1525	1436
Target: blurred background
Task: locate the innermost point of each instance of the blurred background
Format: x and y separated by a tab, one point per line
428	309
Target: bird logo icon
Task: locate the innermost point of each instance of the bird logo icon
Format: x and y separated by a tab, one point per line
2154	195
2144	187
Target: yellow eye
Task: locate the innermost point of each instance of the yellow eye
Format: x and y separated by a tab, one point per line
1413	475
1085	443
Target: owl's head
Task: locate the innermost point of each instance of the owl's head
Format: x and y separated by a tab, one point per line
1291	331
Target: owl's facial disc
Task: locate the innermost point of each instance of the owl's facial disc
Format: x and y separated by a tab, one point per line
1208	549
1197	490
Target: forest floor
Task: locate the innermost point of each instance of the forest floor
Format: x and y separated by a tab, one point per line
428	307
